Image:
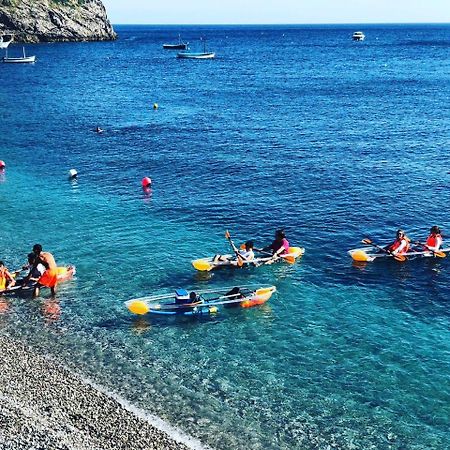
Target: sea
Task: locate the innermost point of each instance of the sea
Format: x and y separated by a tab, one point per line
293	127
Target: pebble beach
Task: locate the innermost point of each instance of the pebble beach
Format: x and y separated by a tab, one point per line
43	405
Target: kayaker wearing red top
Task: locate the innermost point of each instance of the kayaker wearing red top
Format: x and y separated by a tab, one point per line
401	244
279	246
434	240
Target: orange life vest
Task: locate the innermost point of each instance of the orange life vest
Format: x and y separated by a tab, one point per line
397	244
432	240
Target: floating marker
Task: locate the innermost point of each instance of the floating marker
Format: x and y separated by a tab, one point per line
2	165
73	174
146	182
155	106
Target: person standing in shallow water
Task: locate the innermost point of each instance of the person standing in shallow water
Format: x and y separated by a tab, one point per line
50	277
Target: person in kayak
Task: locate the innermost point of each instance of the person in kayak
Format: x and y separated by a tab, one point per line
434	240
50	277
279	246
401	244
6	279
246	254
34	273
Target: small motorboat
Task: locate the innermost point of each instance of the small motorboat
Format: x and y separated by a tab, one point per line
201	302
358	36
197	55
180	46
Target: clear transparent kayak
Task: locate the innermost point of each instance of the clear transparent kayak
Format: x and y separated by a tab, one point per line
369	254
207	264
192	303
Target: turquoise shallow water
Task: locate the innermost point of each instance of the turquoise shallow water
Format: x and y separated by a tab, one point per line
296	127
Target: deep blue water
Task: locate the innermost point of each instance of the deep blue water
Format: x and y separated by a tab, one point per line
295	127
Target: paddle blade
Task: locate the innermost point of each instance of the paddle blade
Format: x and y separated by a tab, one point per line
138	307
202	265
367	241
400	258
360	256
290	259
227	234
440	254
240	262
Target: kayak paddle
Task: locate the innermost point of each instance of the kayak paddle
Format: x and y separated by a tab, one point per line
288	258
438	254
400	258
240	260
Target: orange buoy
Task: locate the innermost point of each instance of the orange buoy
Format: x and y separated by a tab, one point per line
146	182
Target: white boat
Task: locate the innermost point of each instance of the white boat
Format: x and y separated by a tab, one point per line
19	59
197	55
4	43
358	36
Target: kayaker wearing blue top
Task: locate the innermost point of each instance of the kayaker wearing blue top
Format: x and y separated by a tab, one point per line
401	244
434	240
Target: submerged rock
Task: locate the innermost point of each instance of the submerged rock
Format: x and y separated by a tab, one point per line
55	20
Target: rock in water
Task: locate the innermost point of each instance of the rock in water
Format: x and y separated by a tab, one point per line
55	20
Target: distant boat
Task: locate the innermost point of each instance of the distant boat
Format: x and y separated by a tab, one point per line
358	36
197	55
180	46
4	43
19	59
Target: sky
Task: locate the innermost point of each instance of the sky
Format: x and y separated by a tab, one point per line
276	11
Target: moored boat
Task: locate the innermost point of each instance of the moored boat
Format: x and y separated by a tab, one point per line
19	59
358	36
188	54
207	264
179	46
202	302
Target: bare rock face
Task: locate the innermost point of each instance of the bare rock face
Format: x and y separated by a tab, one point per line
55	20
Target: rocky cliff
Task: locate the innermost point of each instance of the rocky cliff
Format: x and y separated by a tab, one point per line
55	20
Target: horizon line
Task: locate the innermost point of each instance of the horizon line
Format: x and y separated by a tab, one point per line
282	24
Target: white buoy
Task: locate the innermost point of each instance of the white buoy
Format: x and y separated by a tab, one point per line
73	173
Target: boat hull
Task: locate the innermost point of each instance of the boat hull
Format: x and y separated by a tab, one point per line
175	46
65	273
207	264
208	302
191	55
364	254
26	60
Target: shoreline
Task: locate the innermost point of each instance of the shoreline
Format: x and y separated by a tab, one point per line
45	405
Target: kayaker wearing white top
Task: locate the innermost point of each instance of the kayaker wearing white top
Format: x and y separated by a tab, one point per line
246	254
